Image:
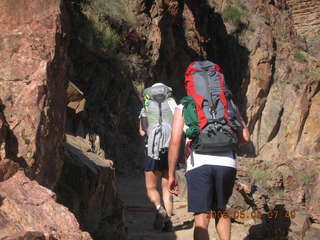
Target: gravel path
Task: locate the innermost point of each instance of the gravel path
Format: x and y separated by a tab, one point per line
140	215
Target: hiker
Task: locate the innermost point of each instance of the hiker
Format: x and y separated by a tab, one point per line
155	123
213	126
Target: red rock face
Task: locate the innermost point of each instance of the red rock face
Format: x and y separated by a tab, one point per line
32	86
33	81
29	211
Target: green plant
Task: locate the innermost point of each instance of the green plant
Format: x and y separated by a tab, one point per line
278	193
138	86
259	175
145	31
313	75
299	56
232	14
291	166
98	32
280	32
251	27
94	31
118	10
105	35
306	178
240	4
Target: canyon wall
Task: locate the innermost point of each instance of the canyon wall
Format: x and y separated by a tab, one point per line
265	58
33	79
269	53
34	151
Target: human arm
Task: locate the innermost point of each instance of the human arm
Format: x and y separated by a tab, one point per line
142	116
141	131
244	134
174	149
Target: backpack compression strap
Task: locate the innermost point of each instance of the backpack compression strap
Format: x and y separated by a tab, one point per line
191	91
223	96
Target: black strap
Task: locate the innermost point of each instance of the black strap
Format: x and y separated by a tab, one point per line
160	114
211	102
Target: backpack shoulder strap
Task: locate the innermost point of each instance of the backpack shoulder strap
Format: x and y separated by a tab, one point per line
172	104
190	117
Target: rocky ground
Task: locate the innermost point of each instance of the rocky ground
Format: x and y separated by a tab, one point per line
140	215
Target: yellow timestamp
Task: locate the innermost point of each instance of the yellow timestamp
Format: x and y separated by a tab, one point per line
246	214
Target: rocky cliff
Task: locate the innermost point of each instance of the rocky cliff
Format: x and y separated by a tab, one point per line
265	59
33	79
305	17
33	150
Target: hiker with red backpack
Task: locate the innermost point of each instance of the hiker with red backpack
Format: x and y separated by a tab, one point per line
213	127
155	123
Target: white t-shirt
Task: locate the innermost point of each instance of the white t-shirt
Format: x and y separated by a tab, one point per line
221	159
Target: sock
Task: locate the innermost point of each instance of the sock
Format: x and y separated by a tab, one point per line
158	207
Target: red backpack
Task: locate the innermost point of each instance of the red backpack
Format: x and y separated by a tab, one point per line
215	110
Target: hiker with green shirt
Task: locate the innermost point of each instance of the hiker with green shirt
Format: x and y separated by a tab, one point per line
213	127
155	124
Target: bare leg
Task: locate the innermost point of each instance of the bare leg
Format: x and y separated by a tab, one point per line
167	198
201	222
223	226
151	178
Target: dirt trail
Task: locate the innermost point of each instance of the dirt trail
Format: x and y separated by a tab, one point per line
140	215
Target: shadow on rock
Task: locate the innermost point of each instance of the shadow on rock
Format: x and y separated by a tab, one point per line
184	225
275	225
87	188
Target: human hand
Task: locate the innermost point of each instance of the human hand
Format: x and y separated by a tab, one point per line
173	186
142	133
243	137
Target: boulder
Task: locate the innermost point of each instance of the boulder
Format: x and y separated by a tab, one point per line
87	188
29	211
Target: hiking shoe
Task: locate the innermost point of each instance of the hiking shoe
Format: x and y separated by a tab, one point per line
167	225
161	216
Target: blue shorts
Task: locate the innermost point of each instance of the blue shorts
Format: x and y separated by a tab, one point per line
151	164
209	187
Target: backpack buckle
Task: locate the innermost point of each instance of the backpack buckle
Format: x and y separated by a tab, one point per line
163	150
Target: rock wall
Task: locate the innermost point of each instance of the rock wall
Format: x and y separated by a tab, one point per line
34	70
32	87
305	16
277	76
110	80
